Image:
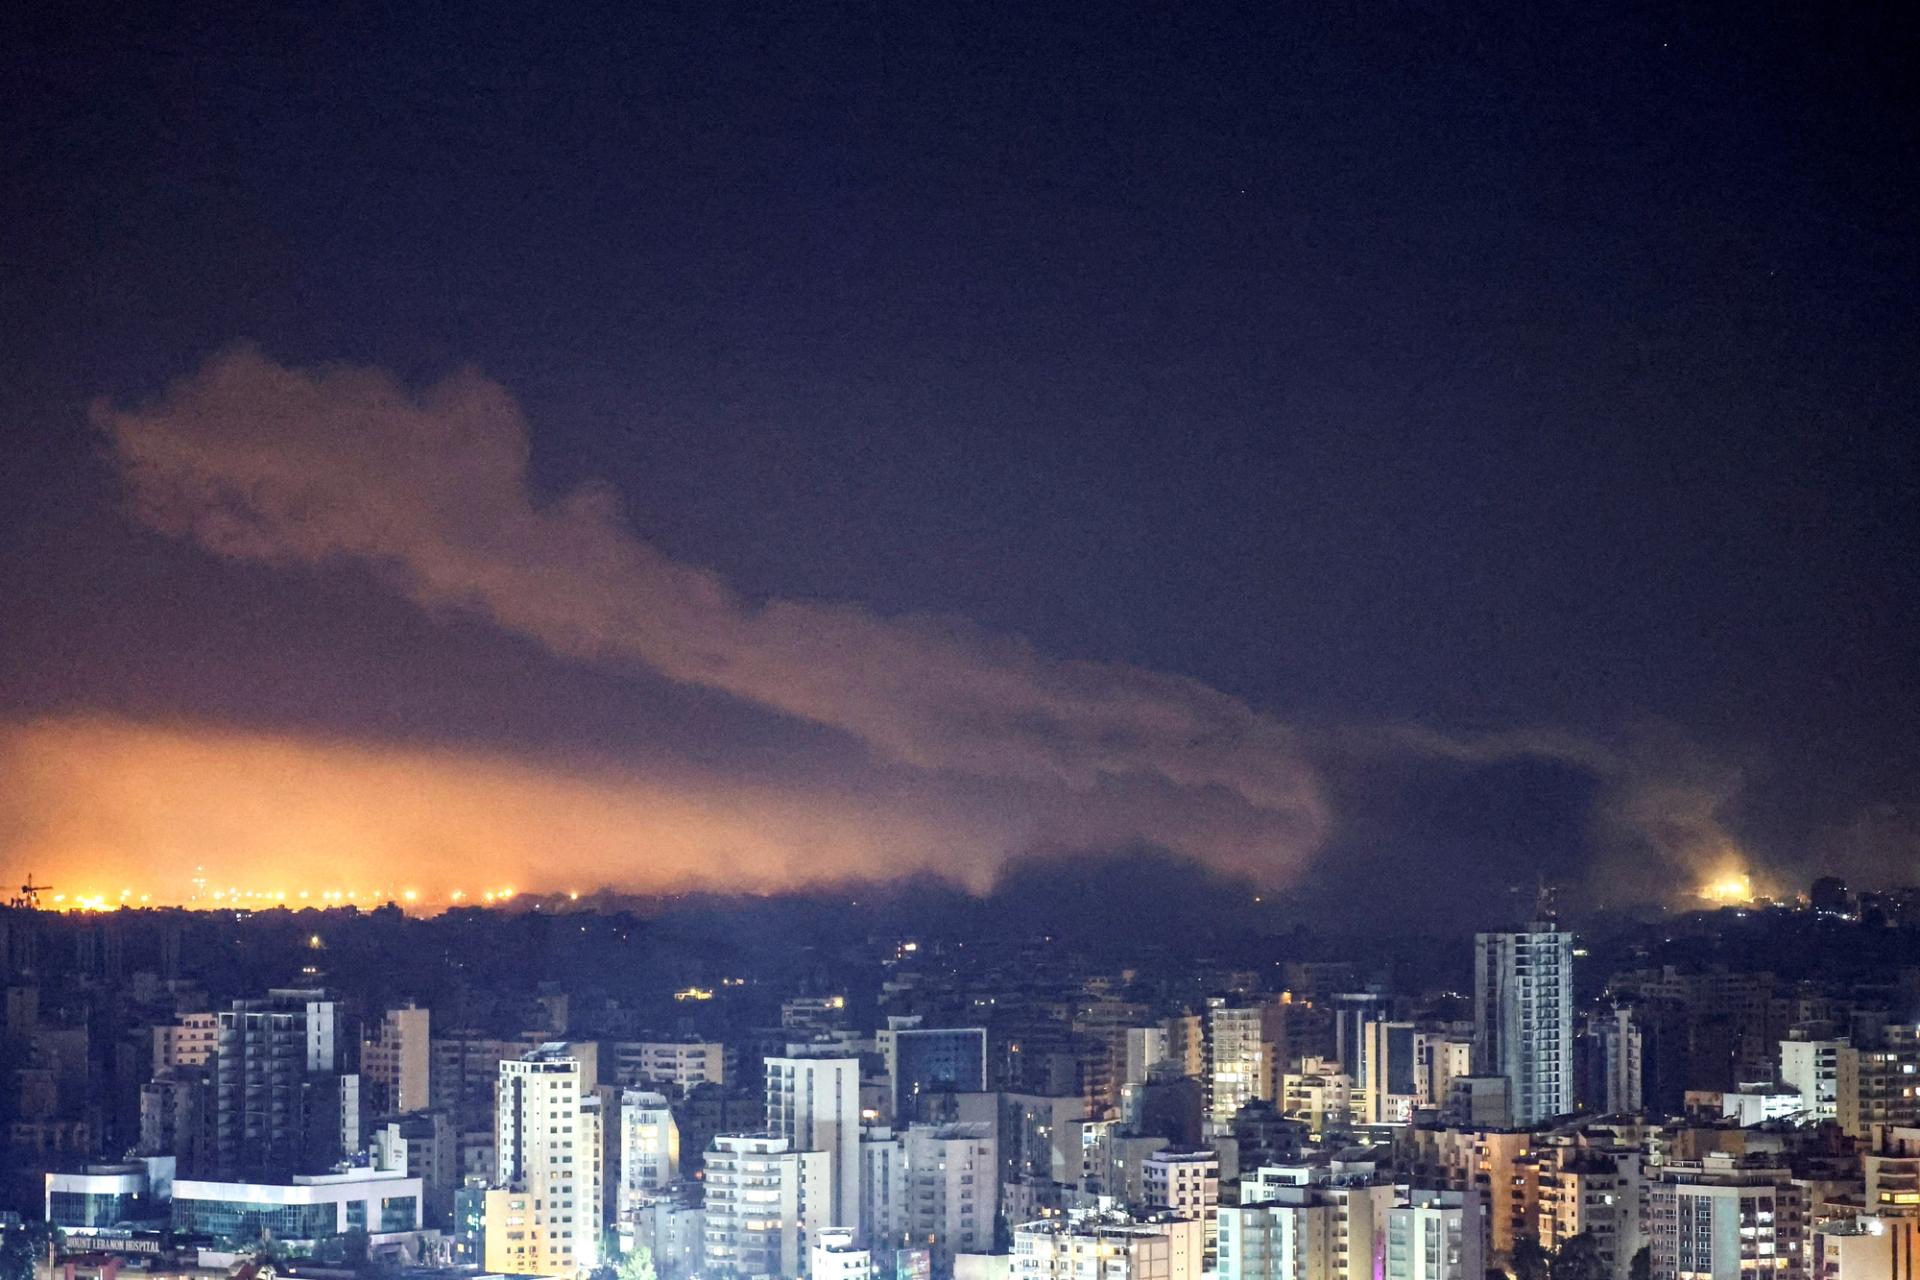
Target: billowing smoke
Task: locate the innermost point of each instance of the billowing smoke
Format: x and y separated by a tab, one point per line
978	748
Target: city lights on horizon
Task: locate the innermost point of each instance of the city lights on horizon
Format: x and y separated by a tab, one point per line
232	897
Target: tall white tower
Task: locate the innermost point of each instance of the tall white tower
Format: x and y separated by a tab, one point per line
815	1103
1523	1017
544	1217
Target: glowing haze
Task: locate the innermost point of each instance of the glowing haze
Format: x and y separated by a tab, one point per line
969	748
257	461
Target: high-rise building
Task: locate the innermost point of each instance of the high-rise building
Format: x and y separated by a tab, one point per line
1388	1074
281	1104
191	1040
1812	1066
1726	1219
1186	1182
395	1061
1595	1188
1438	1057
815	1102
924	1060
1523	1017
763	1205
649	1148
884	1187
544	1216
1145	1047
1107	1247
1875	1080
683	1064
1298	1224
1352	1011
1618	1057
952	1191
423	1143
1436	1235
1239	1065
1318	1093
1865	1248
177	1119
1892	1168
1278	1240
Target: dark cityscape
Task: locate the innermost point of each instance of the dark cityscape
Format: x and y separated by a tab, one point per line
678	641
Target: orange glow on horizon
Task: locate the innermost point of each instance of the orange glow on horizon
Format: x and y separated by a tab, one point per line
206	816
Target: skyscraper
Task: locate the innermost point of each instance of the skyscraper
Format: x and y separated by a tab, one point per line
922	1060
762	1205
649	1147
281	1104
1523	1017
1389	1068
394	1062
1239	1068
815	1102
544	1218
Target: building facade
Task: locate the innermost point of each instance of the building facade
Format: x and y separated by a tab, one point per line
1523	1017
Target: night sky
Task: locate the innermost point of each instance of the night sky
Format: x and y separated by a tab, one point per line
1390	451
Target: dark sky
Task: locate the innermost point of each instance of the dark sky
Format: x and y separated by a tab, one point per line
1472	373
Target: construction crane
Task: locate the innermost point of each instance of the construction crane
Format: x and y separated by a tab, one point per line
29	896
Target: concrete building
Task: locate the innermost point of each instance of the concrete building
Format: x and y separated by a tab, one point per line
1388	1078
1875	1083
189	1041
1596	1189
1760	1101
1187	1183
923	1060
1722	1218
1619	1049
1277	1241
833	1255
884	1188
305	1212
1297	1221
815	1102
1436	1235
1438	1058
1145	1047
543	1216
1107	1247
106	1198
764	1205
1891	1167
395	1062
1478	1102
281	1103
1523	1017
464	1071
1352	1011
1865	1248
952	1195
649	1148
177	1118
424	1144
1501	1164
1812	1066
1239	1066
1319	1093
683	1065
